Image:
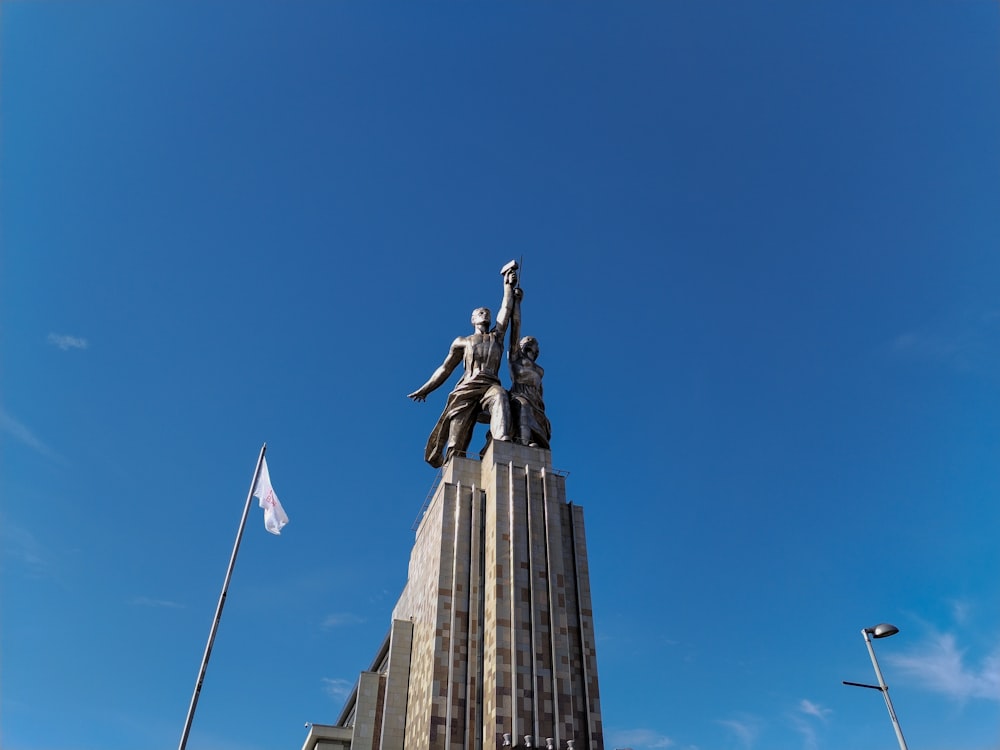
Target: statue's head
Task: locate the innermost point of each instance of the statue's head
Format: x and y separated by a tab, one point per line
481	315
529	345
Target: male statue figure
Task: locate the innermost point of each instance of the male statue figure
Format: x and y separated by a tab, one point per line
478	392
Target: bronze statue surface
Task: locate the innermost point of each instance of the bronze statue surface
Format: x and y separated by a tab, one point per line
527	407
478	394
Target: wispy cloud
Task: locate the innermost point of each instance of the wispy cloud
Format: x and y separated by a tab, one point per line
66	342
22	434
745	728
969	342
960	610
340	619
336	687
803	721
814	709
810	740
145	601
638	738
21	545
926	345
939	665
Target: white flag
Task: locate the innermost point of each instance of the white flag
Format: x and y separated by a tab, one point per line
274	514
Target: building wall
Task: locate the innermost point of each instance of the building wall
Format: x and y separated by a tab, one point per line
498	596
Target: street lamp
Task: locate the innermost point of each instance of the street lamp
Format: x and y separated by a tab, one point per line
882	630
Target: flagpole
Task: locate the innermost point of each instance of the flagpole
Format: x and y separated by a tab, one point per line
222	603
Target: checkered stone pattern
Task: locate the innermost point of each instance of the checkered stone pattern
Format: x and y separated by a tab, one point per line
499	597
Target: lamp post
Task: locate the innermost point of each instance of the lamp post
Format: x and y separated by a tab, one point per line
882	630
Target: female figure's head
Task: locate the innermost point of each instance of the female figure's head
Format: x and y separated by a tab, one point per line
529	345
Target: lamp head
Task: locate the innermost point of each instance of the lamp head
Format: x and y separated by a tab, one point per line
882	630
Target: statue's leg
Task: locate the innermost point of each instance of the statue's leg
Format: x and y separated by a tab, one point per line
515	419
519	421
460	432
497	404
525	428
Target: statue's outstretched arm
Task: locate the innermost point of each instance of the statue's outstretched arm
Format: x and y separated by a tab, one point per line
442	373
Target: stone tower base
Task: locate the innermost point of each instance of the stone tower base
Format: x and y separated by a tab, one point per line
492	639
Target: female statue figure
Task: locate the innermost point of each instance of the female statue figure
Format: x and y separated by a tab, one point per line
531	426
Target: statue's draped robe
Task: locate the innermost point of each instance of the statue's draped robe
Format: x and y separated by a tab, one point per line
465	404
529	411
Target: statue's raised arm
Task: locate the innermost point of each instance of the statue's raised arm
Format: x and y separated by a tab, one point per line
514	350
478	396
510	288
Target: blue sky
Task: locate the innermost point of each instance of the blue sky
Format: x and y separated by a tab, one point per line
760	249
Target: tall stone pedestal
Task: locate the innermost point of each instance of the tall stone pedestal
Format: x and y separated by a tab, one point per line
493	634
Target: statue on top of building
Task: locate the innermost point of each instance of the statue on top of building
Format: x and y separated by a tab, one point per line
478	395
